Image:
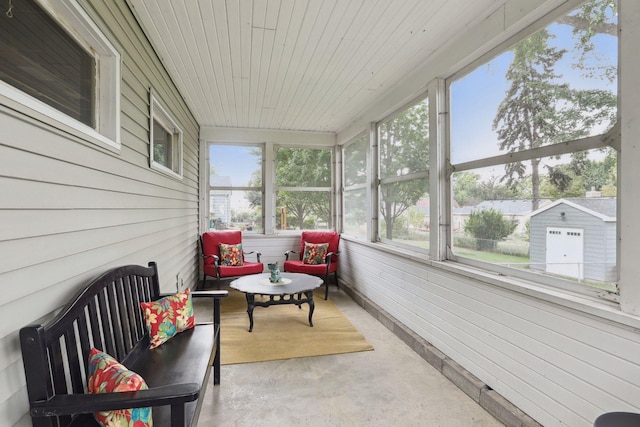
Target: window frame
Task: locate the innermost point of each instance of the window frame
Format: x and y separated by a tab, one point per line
359	186
77	23
157	112
612	138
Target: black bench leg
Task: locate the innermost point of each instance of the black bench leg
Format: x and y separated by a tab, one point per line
178	415
216	364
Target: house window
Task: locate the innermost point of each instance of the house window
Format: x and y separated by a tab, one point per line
354	197
403	184
303	188
57	66
532	133
236	187
165	141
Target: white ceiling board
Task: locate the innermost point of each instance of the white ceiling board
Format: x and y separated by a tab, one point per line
310	65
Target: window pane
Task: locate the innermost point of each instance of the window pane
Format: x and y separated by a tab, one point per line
404	212
404	142
235	166
355	212
235	178
355	162
559	84
555	216
303	210
404	196
235	210
303	167
41	59
162	145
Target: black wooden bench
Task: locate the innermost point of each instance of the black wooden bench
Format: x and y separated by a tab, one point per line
107	315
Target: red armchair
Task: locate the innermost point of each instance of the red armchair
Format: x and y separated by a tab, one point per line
325	266
212	260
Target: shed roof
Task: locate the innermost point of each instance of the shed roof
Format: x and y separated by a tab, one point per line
601	207
510	206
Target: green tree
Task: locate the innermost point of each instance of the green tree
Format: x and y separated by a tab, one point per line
469	190
537	110
581	175
466	188
303	167
488	226
255	197
404	149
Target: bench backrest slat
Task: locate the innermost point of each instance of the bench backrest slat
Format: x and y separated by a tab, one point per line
85	336
114	319
106	315
94	323
75	365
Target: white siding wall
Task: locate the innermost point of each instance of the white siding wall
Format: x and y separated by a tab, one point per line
561	366
272	247
70	210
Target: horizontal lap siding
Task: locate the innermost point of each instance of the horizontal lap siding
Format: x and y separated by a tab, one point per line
70	210
272	248
559	366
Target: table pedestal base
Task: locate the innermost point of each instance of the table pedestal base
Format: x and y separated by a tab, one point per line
295	299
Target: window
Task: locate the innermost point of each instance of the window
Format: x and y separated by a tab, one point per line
236	187
354	197
166	141
403	188
57	66
534	186
303	188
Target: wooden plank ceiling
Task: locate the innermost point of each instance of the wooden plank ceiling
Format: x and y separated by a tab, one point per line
311	65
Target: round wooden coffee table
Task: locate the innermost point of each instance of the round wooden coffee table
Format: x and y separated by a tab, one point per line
288	291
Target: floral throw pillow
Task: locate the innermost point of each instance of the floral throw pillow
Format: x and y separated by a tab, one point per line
314	253
107	375
168	316
231	254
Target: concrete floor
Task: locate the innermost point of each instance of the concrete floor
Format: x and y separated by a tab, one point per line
390	386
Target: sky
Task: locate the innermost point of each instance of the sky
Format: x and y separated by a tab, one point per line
237	162
475	97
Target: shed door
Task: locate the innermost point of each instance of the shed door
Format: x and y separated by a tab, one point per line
565	251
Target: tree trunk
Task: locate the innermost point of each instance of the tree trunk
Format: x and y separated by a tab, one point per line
535	184
388	219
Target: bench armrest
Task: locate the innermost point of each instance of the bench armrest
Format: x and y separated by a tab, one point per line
209	294
68	404
215	296
203	294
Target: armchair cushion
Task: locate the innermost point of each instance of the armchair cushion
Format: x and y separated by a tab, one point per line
330	237
315	253
211	241
244	269
106	375
231	254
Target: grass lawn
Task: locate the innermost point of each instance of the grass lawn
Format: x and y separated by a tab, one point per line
493	257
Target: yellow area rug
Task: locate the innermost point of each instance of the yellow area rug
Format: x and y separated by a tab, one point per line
283	332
